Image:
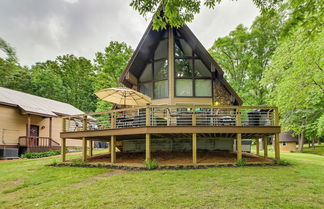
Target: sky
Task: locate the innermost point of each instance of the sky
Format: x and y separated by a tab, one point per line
41	30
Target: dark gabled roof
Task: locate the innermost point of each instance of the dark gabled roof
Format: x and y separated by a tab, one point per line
149	42
288	137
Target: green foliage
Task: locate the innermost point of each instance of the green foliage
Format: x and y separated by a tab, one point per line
151	164
68	79
109	66
244	54
8	50
32	155
77	162
241	162
295	81
178	12
283	162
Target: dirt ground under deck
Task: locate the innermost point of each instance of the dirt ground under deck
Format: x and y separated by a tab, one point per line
177	158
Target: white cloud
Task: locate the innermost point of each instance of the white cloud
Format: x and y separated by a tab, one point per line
42	30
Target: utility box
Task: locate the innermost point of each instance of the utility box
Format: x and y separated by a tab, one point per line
8	153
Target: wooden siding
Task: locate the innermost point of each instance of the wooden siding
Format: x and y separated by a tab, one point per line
13	125
289	147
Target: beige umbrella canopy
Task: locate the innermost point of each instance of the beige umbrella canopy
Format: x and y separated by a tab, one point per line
123	96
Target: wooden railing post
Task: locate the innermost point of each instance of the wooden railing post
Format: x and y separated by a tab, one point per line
113	120
148	116
238	116
85	123
276	116
63	124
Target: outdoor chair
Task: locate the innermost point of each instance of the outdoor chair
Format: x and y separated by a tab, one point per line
78	124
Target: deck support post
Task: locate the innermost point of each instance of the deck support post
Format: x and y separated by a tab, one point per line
277	150
84	149
239	146
63	149
265	146
113	149
194	148
147	146
258	146
90	147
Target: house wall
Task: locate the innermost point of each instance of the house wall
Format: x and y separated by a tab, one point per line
289	147
180	145
13	124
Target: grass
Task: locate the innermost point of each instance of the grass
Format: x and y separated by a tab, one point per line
319	150
30	184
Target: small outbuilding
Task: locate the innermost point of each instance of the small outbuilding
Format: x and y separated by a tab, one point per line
288	142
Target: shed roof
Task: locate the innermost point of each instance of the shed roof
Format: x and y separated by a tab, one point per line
36	105
288	137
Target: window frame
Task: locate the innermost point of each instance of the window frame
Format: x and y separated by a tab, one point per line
152	61
193	57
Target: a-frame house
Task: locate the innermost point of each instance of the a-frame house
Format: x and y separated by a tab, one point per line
194	110
173	67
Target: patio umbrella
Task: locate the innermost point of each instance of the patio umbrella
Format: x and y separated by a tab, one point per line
123	96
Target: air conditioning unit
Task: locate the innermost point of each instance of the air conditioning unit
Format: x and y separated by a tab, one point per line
8	153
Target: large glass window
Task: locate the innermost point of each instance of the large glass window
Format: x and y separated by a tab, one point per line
203	87
184	87
154	78
161	89
192	77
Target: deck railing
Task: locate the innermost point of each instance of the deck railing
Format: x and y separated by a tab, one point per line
170	115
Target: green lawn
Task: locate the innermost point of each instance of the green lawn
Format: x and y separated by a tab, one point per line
319	150
31	184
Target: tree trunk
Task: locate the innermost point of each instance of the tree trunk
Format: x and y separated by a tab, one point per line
319	141
313	142
301	142
309	143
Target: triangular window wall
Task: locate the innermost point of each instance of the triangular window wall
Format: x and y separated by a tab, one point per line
192	77
154	78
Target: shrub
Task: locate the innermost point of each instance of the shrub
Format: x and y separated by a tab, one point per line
77	162
151	164
283	162
32	155
241	162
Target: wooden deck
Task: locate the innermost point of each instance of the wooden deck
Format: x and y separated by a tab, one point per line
239	122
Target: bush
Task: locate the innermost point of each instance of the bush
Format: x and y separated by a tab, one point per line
241	162
151	164
77	162
283	162
32	155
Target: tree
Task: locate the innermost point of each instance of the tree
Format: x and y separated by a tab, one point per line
68	79
178	12
244	54
295	80
109	66
8	50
